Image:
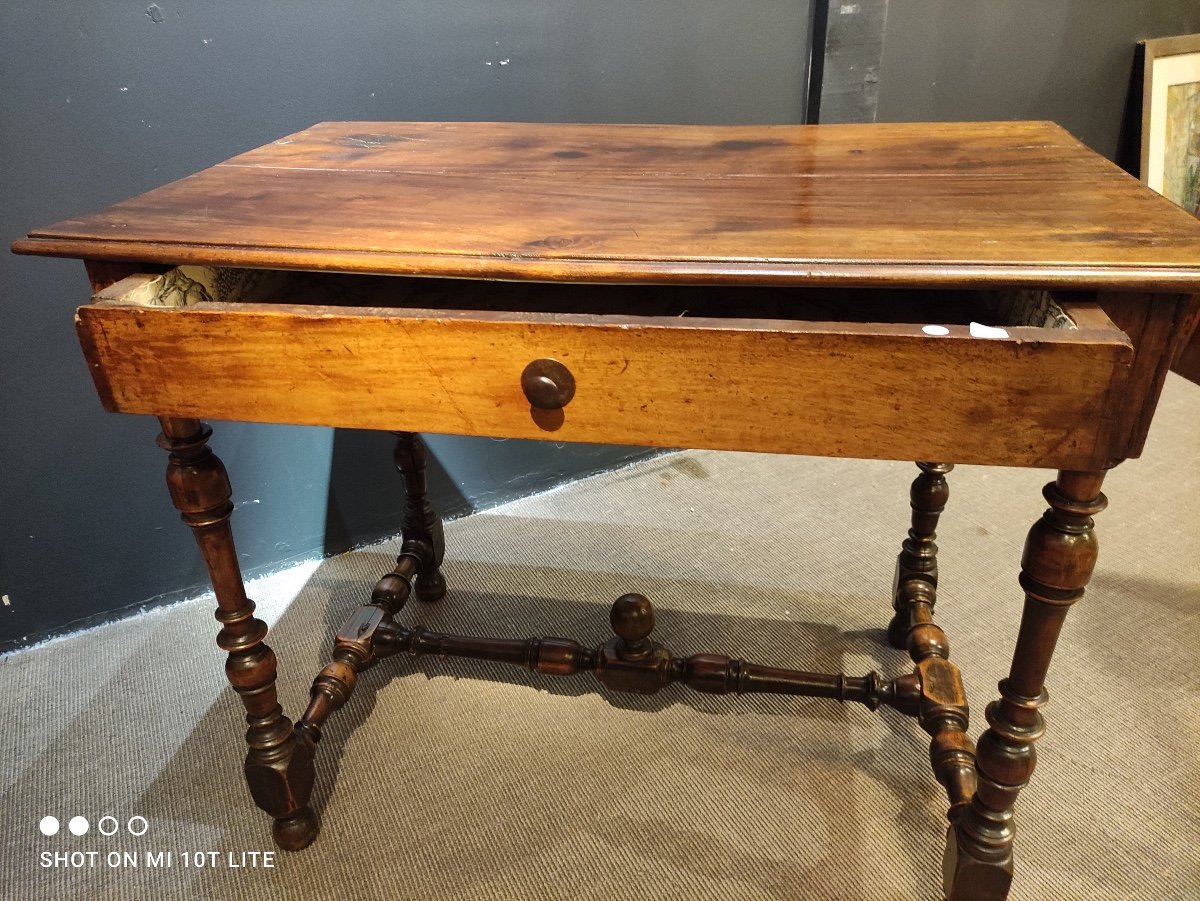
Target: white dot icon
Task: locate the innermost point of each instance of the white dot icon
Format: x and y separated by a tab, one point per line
49	826
78	825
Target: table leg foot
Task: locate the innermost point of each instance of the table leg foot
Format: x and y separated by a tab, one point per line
279	766
430	587
297	832
916	567
967	877
421	523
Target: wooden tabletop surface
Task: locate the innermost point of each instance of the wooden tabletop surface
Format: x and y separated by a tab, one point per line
896	204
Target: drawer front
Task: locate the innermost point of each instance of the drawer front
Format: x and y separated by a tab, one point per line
1038	397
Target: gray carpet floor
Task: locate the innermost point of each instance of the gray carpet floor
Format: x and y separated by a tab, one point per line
453	779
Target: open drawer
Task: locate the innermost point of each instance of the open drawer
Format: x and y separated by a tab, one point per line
1020	378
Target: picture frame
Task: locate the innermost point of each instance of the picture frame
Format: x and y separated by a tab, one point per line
1170	153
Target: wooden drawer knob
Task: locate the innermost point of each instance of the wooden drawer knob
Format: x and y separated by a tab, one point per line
548	384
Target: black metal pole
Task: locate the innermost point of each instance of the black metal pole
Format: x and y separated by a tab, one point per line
818	29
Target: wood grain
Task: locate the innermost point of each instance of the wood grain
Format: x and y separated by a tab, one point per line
1157	326
1187	364
897	205
872	391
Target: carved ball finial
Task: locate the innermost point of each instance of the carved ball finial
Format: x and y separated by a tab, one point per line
632	618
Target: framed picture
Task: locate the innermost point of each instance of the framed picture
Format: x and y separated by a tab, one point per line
1171	119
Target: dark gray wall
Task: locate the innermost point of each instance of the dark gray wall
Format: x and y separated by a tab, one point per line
100	100
1065	60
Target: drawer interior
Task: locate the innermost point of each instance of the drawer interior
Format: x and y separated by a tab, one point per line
187	286
855	373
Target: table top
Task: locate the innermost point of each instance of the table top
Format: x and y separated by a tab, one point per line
890	204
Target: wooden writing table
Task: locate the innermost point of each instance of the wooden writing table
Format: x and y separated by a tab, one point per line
984	293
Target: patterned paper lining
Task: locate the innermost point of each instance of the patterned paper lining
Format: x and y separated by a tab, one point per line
188	285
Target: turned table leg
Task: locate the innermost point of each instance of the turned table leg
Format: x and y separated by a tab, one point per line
1059	555
421	523
916	567
942	710
279	767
